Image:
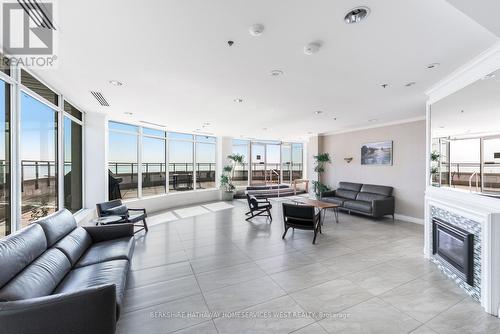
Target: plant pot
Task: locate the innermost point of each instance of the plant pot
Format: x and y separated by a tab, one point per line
227	195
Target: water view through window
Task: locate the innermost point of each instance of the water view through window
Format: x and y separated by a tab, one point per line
38	152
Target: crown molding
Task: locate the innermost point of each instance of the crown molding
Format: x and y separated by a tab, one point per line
374	126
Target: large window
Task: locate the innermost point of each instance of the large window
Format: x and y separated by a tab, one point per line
205	162
38	155
73	174
241	147
153	162
297	161
4	159
123	161
180	162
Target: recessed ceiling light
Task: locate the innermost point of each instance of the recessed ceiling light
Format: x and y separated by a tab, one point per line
265	129
128	113
433	65
311	48
238	100
384	85
256	29
356	15
489	76
442	127
318	112
373	120
206	123
116	83
409	84
276	73
335	118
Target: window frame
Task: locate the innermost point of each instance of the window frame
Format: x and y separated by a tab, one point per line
16	90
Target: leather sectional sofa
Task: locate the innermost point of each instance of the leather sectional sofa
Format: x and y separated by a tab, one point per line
56	277
367	199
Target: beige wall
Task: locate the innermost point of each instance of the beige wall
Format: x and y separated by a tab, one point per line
407	175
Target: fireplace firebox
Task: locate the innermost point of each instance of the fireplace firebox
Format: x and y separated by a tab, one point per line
455	246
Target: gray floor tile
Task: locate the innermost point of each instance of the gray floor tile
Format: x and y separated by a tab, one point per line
371	316
223	277
466	317
165	318
304	277
331	297
314	328
281	315
284	262
207	327
424	300
160	293
138	278
242	295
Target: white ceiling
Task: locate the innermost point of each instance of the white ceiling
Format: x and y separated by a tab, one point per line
178	70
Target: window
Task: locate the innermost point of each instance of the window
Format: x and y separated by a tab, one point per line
297	165
153	163
4	159
123	161
73	187
35	85
241	171
180	163
68	108
286	163
4	64
38	153
205	162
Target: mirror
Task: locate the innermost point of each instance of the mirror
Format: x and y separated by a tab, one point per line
465	132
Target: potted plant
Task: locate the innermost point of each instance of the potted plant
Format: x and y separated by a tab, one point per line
320	161
435	168
226	179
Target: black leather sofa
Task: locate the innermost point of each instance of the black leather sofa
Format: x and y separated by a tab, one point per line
367	199
56	277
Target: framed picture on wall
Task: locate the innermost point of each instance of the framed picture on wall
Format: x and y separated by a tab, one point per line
378	153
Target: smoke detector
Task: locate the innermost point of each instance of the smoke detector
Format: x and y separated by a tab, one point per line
256	29
311	48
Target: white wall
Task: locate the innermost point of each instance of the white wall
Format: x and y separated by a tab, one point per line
96	147
407	175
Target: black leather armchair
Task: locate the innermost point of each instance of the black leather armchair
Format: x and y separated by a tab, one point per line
302	217
116	208
56	277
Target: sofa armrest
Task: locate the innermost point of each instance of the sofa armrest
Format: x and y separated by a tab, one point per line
382	207
92	310
330	193
110	232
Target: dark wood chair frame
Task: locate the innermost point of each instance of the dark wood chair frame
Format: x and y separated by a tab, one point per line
313	223
259	210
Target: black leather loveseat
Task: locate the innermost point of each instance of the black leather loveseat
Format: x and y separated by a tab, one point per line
368	199
56	277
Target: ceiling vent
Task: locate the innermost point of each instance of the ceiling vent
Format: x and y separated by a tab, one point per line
100	98
155	124
39	13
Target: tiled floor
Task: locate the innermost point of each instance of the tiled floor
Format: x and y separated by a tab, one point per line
217	273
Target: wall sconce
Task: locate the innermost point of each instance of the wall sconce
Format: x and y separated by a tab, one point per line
348	160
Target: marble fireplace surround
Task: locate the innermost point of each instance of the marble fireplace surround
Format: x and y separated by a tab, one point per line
486	212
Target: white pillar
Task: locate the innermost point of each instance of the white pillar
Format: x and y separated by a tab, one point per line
96	159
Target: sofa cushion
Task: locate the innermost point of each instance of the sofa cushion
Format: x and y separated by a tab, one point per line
347	194
116	249
38	279
57	225
20	249
334	200
350	186
375	189
358	206
110	272
75	244
368	197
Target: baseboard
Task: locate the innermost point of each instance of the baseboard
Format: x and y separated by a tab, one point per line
409	219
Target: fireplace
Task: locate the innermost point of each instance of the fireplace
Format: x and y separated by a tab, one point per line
455	246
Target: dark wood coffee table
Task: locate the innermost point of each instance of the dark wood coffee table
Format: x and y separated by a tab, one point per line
321	206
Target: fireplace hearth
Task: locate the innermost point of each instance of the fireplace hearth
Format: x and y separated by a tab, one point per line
456	247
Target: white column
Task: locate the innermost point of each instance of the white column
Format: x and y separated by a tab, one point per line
96	159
